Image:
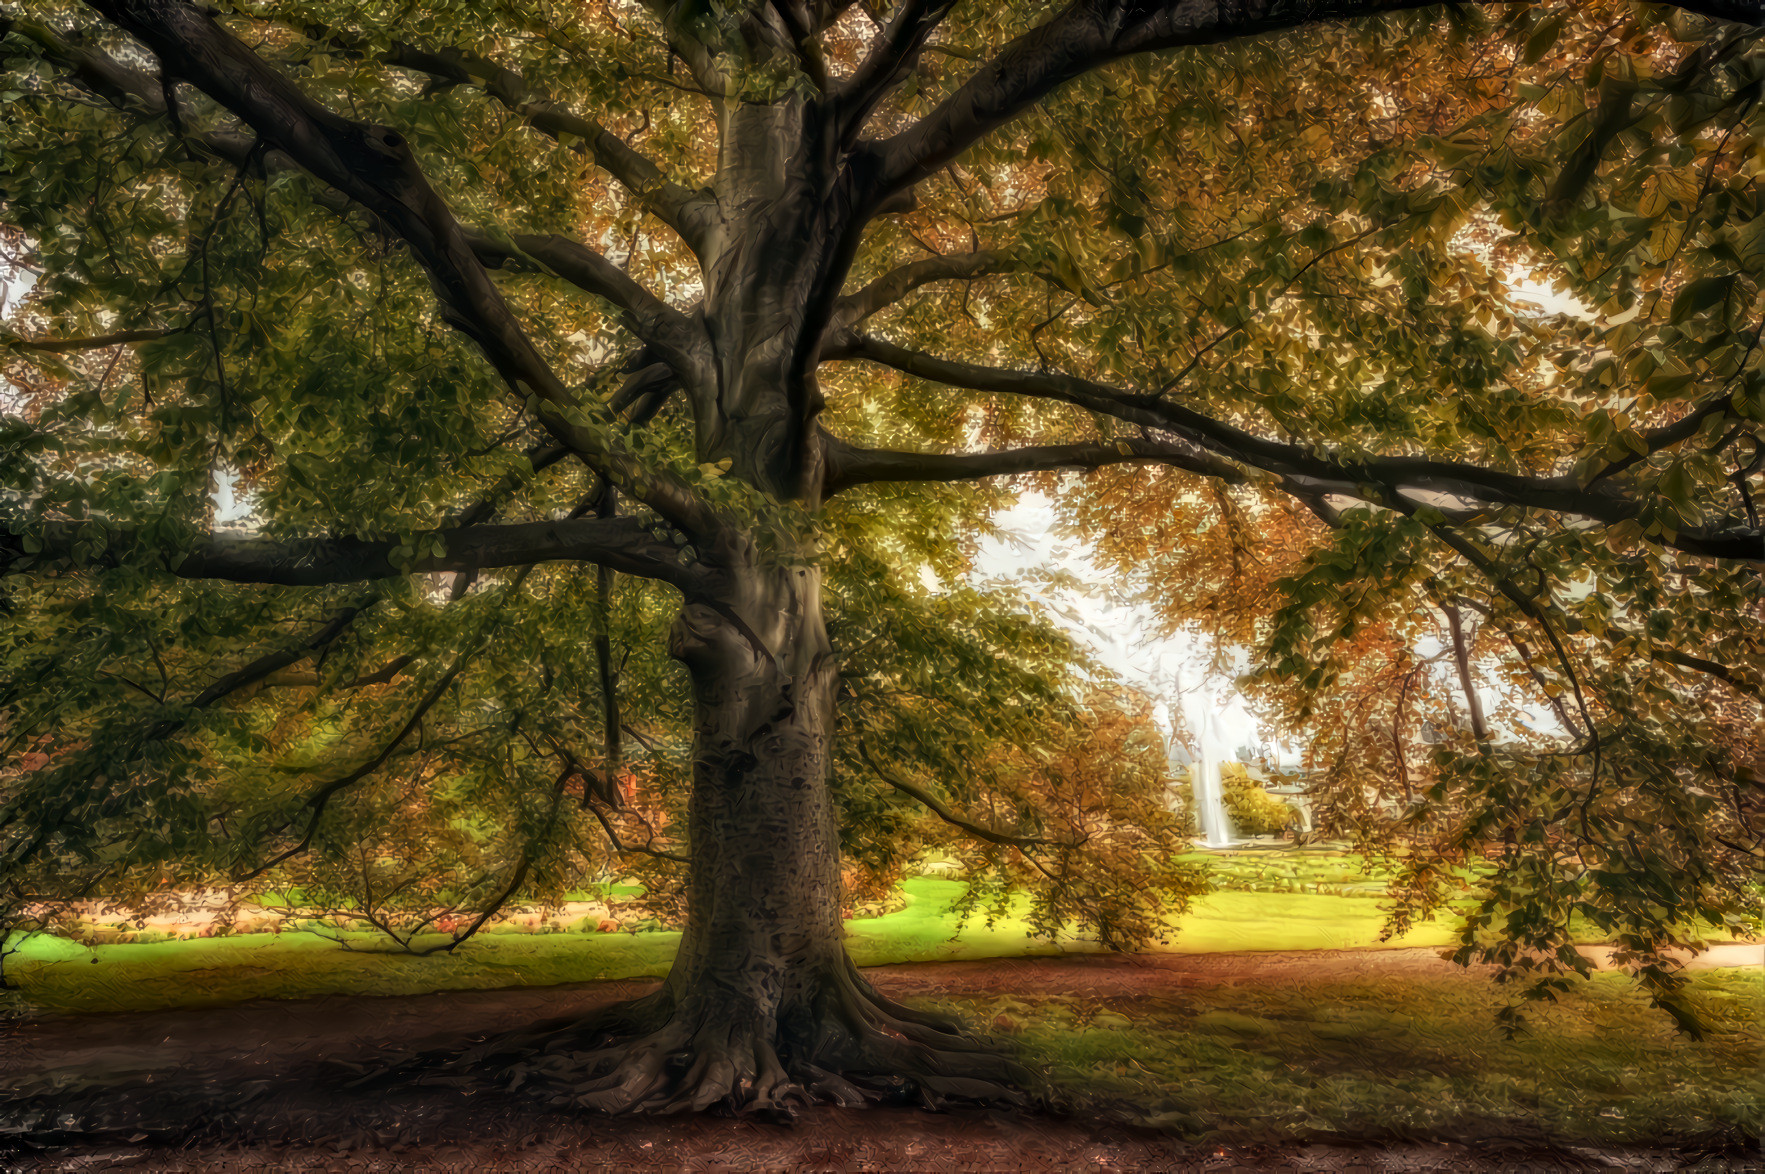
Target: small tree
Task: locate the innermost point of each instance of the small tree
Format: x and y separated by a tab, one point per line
383	264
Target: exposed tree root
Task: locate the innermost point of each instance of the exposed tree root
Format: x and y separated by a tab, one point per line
841	1044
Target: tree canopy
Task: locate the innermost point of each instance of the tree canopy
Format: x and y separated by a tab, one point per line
558	347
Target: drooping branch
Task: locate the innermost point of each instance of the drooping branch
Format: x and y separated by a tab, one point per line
516	879
1090	34
1302	468
944	812
65	346
624	544
606	506
267	665
375	167
320	797
692	215
621	846
848	466
1528	606
1461	653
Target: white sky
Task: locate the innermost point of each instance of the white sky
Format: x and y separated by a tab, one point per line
1109	617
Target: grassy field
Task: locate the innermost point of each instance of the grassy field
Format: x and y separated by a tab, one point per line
1415	1058
56	974
1305	899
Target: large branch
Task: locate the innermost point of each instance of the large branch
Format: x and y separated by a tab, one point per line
1090	34
1069	389
693	215
375	167
848	466
666	330
624	544
1300	467
897	283
261	670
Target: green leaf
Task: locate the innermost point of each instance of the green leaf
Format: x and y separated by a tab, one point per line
1699	296
1543	36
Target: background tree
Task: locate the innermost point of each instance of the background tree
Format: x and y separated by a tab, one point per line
384	265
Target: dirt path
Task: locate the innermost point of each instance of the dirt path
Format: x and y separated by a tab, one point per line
267	1046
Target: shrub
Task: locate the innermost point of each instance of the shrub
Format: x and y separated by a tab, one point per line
1254	811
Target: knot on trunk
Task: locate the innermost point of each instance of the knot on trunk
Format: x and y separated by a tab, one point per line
712	641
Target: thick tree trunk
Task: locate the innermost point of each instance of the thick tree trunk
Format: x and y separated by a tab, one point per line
762	943
763	1010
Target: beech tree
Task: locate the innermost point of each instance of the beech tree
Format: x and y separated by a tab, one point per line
725	301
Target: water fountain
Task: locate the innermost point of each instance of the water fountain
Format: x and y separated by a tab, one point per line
1207	783
1190	715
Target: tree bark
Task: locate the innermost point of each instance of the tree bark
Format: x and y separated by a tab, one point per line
763	1009
763	922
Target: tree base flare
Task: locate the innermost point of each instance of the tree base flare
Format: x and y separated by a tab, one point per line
843	1045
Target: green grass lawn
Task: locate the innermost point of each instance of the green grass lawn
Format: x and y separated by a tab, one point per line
1221	922
1315	898
1414	1058
61	975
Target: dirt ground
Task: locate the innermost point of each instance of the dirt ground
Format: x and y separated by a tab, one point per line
279	1063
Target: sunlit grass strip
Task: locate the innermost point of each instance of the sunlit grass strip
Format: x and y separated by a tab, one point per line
62	975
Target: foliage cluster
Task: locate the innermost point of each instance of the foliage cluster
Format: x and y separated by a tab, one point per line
1470	671
1252	809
